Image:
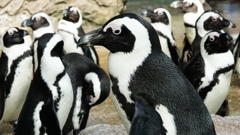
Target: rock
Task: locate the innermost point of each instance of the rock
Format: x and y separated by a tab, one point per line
104	129
13	12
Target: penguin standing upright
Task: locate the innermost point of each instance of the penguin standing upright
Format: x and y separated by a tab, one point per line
210	71
209	20
70	28
91	87
161	22
51	90
15	73
137	64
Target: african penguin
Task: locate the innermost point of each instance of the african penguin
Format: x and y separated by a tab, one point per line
209	20
41	24
15	72
210	71
50	73
137	64
91	86
70	28
237	56
161	22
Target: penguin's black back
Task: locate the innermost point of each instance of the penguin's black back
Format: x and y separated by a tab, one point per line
159	77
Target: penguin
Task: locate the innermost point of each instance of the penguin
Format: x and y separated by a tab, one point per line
237	56
209	20
15	73
51	87
146	119
40	23
91	86
137	64
161	21
211	70
50	96
70	28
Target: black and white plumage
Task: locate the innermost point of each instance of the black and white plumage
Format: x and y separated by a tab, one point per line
51	87
210	71
50	96
193	9
137	65
91	86
41	24
146	120
15	72
209	20
70	28
161	22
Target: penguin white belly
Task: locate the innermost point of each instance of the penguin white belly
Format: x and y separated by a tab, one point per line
66	100
36	118
16	98
191	34
77	109
164	46
121	113
217	95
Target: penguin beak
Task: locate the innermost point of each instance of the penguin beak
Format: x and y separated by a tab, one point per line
27	23
25	33
227	23
91	38
147	13
176	4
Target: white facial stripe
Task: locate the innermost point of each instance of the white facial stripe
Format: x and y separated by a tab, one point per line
74	9
214	34
113	25
158	10
96	86
11	31
36	118
167	118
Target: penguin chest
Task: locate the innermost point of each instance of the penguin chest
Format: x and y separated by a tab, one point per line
218	93
164	46
122	102
70	44
22	76
190	34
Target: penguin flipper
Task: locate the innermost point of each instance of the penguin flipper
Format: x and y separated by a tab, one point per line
49	119
80	31
146	119
3	72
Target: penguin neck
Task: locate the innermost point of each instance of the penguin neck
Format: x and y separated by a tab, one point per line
16	50
200	31
41	31
70	27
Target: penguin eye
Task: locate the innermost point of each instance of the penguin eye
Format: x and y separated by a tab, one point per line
160	13
117	31
10	32
214	19
211	39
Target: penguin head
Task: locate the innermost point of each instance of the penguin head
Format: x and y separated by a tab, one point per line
212	20
72	14
14	36
216	42
158	15
188	5
124	33
40	23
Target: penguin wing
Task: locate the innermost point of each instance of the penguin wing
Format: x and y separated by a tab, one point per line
49	118
146	119
195	71
80	31
3	72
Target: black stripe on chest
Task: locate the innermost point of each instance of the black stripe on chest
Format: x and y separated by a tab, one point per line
13	68
127	107
56	83
204	91
189	25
